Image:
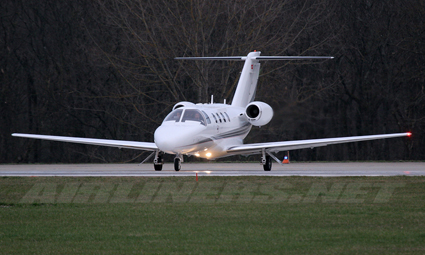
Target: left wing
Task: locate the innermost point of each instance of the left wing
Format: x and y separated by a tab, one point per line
92	141
255	148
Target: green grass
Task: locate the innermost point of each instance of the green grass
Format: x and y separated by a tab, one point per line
217	215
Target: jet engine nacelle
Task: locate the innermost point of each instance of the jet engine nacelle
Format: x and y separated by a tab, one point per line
258	113
182	104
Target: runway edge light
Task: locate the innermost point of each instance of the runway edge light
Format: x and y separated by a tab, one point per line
286	159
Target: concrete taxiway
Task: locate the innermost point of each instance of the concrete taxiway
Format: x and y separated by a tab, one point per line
220	169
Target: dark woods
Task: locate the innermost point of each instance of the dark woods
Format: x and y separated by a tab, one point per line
106	69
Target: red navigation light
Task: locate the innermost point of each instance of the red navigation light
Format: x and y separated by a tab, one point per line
409	134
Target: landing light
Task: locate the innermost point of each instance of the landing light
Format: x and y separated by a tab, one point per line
208	154
197	154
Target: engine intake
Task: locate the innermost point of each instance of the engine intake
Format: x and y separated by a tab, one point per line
182	104
258	113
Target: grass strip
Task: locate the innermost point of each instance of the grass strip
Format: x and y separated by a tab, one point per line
216	215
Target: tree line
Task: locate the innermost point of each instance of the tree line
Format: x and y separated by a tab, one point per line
106	69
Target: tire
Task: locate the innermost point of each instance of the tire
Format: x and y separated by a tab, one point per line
177	164
158	167
268	165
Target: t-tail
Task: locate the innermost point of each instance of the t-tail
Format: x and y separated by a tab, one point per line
247	85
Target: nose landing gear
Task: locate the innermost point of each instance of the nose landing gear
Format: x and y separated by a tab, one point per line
178	162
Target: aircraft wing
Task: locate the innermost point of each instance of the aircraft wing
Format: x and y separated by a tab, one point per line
101	142
256	148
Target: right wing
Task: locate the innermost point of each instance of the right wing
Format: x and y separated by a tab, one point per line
92	141
255	148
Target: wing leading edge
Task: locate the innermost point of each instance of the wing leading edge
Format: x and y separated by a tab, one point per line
92	141
256	148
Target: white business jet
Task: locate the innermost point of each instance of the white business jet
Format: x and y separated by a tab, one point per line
217	130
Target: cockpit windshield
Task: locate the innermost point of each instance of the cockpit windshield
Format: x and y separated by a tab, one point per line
193	115
188	115
174	115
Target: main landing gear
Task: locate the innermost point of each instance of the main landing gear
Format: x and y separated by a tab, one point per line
267	162
157	167
158	161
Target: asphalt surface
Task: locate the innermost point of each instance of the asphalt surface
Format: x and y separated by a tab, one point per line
220	169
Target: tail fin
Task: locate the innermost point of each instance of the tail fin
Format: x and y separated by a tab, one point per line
247	85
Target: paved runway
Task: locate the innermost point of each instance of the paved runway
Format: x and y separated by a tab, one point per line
220	169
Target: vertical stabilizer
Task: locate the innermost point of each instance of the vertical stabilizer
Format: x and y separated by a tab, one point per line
245	91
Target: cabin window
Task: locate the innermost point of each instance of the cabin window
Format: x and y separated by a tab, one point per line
214	117
219	118
223	117
174	115
227	116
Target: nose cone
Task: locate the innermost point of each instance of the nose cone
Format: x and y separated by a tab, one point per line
176	138
164	139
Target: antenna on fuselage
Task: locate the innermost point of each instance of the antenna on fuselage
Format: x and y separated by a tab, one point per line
212	99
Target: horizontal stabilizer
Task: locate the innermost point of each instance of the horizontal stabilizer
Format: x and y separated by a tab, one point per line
247	85
240	58
292	57
211	58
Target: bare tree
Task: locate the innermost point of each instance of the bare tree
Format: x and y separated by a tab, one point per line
106	69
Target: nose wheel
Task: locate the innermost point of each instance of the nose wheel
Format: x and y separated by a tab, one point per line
177	164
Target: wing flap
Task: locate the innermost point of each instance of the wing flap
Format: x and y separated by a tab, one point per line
92	141
303	144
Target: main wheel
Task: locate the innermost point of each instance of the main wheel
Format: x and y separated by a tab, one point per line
158	166
268	165
177	164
